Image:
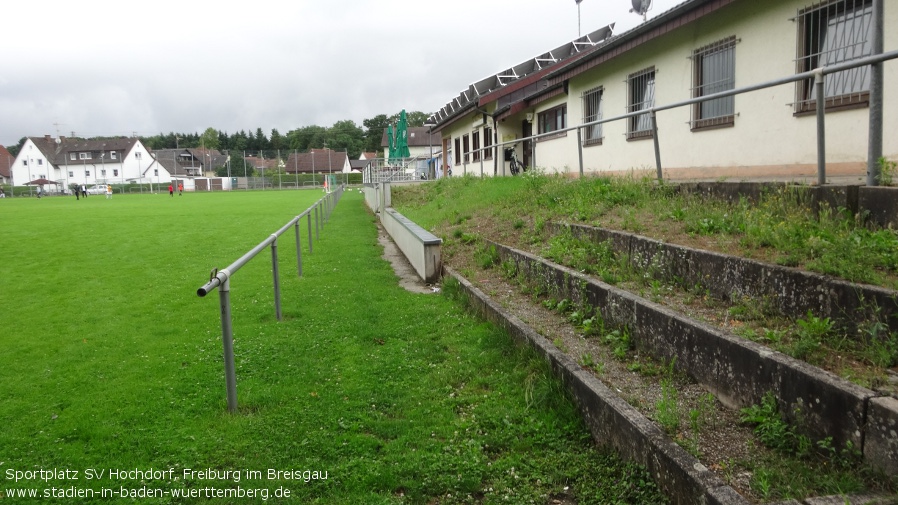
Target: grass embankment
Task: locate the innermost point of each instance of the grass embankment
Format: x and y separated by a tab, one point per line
111	362
780	228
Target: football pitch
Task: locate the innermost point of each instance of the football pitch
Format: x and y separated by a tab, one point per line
112	382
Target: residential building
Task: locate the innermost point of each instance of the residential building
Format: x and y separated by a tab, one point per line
6	162
186	163
318	161
67	161
365	160
695	49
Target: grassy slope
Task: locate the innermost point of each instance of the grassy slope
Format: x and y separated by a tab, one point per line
111	361
512	210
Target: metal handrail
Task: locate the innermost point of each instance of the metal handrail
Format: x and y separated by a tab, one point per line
221	279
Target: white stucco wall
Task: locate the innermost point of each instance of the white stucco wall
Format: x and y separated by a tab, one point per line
467	124
128	165
31	164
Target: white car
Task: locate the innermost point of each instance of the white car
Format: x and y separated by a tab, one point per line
99	189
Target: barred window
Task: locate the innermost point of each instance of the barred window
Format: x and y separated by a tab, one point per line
641	96
475	138
457	151
487	143
829	33
714	70
592	111
466	146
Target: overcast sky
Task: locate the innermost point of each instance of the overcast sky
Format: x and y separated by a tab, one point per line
106	67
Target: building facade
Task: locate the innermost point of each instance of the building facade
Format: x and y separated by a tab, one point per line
68	161
698	48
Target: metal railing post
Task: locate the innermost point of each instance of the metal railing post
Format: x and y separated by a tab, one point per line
298	248
221	279
580	150
227	341
309	219
821	129
874	142
657	146
276	276
533	153
317	223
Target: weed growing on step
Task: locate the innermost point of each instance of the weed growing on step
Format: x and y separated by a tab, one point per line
886	171
593	325
667	410
811	332
487	256
800	465
699	417
619	342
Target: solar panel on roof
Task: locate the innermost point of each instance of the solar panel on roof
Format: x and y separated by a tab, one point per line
527	67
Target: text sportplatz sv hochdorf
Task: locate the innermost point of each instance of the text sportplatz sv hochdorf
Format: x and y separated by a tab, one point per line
170	474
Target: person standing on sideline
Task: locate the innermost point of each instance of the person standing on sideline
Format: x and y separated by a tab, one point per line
84	191
171	190
108	191
180	188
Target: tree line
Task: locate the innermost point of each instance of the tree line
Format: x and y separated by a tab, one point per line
344	135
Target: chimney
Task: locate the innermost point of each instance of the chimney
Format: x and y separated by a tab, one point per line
47	137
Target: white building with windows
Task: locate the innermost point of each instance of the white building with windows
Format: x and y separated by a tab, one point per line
695	49
67	161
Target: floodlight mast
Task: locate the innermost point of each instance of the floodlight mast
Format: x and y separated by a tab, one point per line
578	17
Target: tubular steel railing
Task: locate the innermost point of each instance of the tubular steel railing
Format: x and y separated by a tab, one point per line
399	170
319	211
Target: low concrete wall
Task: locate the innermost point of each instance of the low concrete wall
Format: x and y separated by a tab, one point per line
792	291
881	444
420	247
881	203
611	420
377	196
878	204
739	372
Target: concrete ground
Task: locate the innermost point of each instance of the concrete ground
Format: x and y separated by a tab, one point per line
408	278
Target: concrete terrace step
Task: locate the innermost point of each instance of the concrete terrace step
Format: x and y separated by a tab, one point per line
793	291
739	372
